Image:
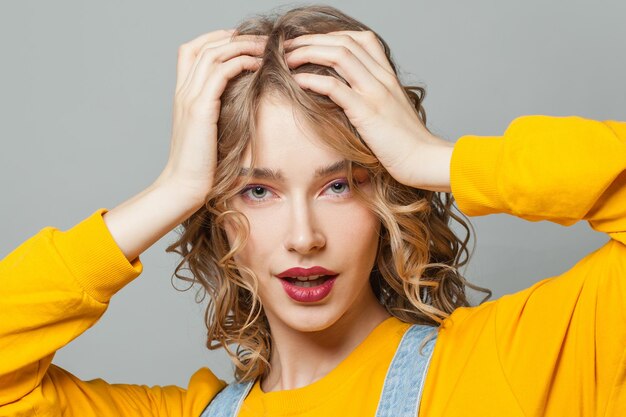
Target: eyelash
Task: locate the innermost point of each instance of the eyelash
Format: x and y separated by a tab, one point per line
245	193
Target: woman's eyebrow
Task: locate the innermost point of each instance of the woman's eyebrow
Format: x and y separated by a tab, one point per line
263	173
331	169
277	175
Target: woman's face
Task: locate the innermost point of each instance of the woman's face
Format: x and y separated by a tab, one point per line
305	222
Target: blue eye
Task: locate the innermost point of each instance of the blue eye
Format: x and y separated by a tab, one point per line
258	192
339	188
255	193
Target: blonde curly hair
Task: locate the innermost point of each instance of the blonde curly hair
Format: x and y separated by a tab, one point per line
416	275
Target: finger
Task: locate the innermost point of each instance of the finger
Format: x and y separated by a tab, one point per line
212	90
226	40
363	44
356	42
187	52
342	60
371	43
211	57
341	94
182	83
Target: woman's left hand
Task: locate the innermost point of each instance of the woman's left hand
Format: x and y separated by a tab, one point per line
375	104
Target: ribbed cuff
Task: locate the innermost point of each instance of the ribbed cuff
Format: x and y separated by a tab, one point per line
94	257
473	174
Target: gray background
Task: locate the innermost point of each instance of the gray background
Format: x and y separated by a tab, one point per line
85	103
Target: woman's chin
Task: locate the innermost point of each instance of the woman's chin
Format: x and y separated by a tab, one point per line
310	319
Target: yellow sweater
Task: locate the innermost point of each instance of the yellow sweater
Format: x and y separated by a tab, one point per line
555	349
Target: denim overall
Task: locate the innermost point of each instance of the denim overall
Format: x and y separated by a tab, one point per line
402	389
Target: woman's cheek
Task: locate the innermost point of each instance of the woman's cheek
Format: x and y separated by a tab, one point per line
356	219
264	227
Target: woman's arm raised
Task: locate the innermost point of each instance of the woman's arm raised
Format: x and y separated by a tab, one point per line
187	178
564	337
57	284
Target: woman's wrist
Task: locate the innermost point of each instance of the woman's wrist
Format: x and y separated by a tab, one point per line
431	164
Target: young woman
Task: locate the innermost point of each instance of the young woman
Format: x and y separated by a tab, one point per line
307	185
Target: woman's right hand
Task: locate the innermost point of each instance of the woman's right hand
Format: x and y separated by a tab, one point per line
205	65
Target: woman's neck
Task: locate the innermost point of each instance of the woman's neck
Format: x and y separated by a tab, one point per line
301	358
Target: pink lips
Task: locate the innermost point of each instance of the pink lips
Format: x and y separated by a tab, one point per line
307	294
305	272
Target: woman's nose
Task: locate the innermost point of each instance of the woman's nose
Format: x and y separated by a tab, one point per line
303	234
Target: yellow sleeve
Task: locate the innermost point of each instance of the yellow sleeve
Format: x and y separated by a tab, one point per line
562	169
53	287
561	344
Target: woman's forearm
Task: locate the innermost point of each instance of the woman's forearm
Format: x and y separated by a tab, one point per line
140	221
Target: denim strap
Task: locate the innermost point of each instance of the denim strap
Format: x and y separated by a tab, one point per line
402	390
228	401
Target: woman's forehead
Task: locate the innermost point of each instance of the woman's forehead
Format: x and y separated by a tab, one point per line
281	138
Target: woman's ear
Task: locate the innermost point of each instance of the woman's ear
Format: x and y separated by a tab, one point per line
360	175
